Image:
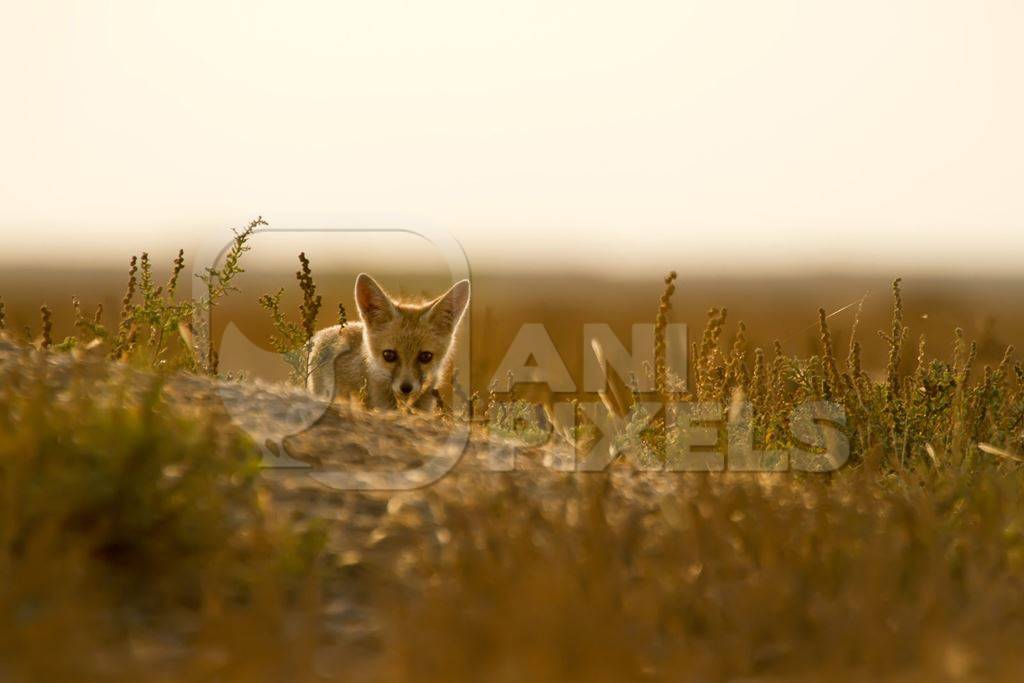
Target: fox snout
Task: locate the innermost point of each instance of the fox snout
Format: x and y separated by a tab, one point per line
406	388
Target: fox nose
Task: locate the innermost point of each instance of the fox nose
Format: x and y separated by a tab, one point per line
406	388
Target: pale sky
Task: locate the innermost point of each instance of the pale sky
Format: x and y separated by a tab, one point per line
743	133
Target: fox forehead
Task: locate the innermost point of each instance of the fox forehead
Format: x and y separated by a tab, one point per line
408	333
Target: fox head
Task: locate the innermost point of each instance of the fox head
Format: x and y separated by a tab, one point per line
409	344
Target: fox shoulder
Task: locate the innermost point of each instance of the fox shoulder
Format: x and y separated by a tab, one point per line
328	346
337	340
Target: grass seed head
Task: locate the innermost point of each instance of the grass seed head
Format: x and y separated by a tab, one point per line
832	381
172	281
660	328
47	323
311	301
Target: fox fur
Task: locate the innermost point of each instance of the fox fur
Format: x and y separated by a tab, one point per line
400	351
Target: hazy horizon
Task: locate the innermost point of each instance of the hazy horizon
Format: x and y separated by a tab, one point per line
737	137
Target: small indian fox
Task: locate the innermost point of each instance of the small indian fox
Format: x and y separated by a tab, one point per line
401	351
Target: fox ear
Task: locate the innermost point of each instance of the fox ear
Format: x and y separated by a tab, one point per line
447	311
374	304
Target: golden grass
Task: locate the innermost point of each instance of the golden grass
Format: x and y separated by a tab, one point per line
139	541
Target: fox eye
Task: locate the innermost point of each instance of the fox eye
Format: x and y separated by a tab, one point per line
390	356
425	356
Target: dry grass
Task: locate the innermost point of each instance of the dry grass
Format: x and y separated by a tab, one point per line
139	541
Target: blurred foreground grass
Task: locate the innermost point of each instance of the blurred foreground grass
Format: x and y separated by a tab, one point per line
137	545
139	541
